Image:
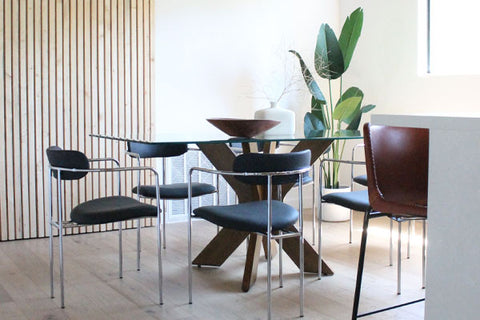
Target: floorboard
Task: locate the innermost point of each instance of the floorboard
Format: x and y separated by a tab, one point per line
94	291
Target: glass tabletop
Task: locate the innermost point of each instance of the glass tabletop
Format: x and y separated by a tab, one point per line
220	137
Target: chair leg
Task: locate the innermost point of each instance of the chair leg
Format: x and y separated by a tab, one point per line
319	237
159	257
62	286
391	242
399	259
424	252
351	227
120	251
164	224
139	244
314	201
409	238
361	262
302	271
60	242
50	252
280	260
269	274
189	251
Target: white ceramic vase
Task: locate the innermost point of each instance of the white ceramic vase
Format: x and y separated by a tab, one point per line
332	212
286	118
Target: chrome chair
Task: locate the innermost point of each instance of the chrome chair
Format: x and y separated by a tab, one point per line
308	179
173	191
358	201
67	165
397	170
361	179
270	218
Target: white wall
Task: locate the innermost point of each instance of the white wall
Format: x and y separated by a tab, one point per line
385	65
227	58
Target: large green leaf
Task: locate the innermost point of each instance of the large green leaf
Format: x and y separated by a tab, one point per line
309	80
328	55
358	117
312	126
350	93
319	111
345	109
352	28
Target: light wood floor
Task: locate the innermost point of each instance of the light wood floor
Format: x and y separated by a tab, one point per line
93	290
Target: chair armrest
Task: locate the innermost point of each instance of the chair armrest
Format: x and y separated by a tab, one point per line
353	162
350	162
105	160
234	173
110	170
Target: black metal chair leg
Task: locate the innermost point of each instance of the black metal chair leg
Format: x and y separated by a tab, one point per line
361	260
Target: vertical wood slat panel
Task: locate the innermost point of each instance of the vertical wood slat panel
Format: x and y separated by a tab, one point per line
8	89
3	168
68	68
31	111
44	101
15	116
38	172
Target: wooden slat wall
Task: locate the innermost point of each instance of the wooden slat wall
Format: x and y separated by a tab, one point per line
68	68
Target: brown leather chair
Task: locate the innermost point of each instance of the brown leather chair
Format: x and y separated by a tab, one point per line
397	170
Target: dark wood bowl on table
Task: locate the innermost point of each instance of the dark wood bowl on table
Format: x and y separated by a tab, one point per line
243	127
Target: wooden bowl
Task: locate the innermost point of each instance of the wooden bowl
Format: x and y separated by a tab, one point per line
247	128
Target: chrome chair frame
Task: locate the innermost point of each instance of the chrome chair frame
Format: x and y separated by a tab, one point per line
314	196
60	224
164	201
405	198
319	207
269	234
399	233
410	225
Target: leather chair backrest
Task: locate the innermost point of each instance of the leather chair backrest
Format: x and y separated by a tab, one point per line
271	162
157	150
70	159
397	169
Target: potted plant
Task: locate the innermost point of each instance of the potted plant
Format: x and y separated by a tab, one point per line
332	59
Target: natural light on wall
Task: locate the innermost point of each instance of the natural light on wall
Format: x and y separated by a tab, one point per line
454	43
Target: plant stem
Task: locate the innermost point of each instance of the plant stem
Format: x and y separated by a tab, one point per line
341	87
331	103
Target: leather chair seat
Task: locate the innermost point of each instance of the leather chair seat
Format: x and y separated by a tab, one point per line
250	216
355	200
176	190
111	209
361	179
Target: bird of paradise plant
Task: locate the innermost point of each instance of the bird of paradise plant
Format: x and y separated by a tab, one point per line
332	59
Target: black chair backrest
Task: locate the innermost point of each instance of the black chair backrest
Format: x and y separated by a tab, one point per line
271	162
70	159
157	150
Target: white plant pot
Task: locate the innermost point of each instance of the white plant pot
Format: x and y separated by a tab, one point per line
332	212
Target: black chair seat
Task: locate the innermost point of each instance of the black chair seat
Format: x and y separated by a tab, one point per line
306	179
176	190
355	200
111	209
250	216
361	179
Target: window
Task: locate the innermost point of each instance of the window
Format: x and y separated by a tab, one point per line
453	37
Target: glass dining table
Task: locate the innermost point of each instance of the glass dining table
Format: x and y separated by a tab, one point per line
217	149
